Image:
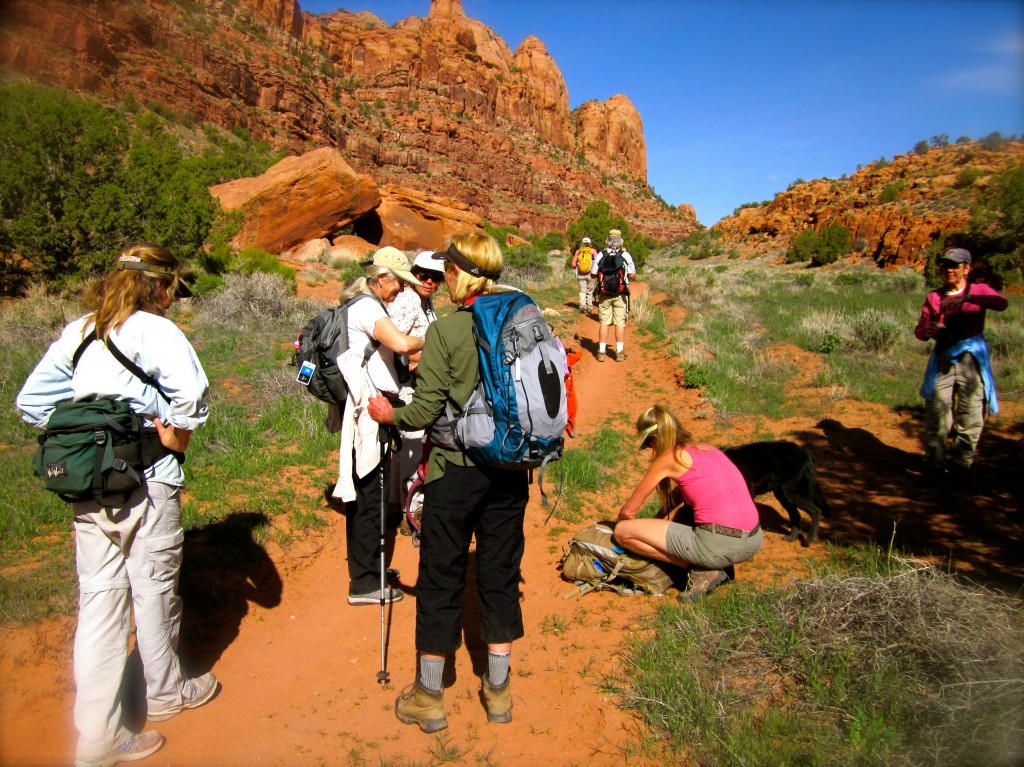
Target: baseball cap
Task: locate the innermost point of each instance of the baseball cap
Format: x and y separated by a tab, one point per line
586	239
426	260
396	262
957	256
614	233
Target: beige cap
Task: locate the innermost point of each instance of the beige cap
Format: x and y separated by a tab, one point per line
395	261
614	233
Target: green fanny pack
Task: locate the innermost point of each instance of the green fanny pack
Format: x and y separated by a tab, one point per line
96	450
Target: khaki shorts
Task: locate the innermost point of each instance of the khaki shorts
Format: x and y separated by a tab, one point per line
706	549
612	311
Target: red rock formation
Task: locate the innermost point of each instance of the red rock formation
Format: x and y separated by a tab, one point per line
438	103
932	198
412	220
299	199
611	135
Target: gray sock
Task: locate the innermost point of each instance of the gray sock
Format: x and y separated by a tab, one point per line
497	668
431	673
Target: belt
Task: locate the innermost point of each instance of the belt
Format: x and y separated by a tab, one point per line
732	532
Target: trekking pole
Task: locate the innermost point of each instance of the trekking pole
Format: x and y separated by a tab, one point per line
383	676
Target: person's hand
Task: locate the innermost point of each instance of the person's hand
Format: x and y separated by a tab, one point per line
933	329
951	302
172	437
380	410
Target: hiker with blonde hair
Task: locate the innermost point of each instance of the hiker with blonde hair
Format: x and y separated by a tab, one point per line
726	529
463	502
129	555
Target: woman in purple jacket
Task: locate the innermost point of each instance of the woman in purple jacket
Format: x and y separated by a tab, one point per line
958	383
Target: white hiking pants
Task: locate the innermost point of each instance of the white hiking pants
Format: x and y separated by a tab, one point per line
129	553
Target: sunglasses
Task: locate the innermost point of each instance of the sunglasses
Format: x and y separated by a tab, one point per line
423	275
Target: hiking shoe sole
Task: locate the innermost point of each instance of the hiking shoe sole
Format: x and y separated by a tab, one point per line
373	598
198	691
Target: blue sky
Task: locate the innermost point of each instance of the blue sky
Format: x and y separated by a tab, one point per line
740	98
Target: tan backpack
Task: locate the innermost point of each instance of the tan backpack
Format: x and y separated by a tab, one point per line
592	560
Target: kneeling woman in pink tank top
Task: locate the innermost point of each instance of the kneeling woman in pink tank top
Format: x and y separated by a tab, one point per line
725	529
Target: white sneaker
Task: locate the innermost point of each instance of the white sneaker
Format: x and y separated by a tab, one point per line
136	747
195	693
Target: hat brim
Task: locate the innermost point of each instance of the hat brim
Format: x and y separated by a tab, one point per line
405	276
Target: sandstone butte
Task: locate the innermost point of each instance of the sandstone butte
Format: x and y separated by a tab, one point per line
436	116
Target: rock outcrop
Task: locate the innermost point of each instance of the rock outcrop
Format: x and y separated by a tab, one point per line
438	104
299	199
611	135
894	210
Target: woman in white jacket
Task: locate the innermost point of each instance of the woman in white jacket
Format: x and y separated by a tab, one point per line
129	555
369	367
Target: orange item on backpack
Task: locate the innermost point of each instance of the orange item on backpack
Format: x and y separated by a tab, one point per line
571	358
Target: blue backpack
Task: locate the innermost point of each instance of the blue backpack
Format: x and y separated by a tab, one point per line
516	416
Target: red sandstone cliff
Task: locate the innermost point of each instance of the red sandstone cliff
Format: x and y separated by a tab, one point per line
439	105
933	196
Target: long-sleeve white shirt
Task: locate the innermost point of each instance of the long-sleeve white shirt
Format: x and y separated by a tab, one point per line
153	343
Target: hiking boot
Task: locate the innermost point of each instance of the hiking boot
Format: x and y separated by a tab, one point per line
497	700
621	356
195	693
700	583
373	597
418	705
600	356
134	748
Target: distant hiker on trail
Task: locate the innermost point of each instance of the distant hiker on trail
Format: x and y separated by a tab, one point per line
958	383
582	262
462	500
360	467
726	527
129	554
613	268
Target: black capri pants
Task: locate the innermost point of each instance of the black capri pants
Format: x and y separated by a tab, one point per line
468	500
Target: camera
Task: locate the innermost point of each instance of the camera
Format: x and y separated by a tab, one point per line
305	373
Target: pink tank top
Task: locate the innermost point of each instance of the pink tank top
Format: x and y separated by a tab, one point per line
716	490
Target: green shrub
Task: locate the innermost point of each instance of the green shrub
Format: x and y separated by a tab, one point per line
524	264
835	242
966	177
252	260
804	246
921	147
697	377
891	192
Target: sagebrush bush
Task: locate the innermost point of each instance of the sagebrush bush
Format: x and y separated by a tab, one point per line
875	331
250	301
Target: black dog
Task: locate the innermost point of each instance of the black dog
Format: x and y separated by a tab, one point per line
788	470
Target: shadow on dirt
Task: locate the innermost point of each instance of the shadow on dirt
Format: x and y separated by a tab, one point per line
223	569
879	494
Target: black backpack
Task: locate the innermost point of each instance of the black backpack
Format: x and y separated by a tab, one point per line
317	348
611	274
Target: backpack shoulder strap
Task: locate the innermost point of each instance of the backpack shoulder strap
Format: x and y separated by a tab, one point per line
130	366
373	343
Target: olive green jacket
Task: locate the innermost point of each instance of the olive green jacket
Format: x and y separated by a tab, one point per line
447	373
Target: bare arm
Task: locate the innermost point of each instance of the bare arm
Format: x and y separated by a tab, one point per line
384	330
665	466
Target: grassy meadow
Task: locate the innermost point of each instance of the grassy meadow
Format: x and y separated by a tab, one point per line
876	660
